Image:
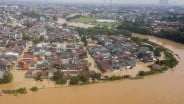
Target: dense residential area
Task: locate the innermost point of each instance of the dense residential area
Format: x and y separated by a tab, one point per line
80	45
91	51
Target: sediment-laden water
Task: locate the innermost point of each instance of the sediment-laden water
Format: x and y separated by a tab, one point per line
165	88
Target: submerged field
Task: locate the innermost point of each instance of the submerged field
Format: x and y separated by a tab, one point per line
92	20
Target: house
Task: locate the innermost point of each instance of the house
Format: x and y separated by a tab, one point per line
145	54
12	54
155	66
29	57
104	65
23	65
15	36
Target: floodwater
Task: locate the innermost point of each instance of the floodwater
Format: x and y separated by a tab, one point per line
75	24
165	88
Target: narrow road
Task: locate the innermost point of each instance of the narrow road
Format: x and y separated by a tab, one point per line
28	44
93	66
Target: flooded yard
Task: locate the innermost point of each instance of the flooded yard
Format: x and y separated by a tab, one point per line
165	88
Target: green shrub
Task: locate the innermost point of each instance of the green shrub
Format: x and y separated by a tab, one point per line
84	78
74	80
57	75
34	89
115	77
96	76
7	78
61	81
126	76
141	73
22	90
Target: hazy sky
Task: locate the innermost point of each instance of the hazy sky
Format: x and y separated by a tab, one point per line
175	2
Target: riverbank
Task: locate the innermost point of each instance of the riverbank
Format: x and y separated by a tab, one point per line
21	82
165	88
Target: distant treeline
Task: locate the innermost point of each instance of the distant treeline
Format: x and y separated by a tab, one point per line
177	36
32	14
74	17
102	31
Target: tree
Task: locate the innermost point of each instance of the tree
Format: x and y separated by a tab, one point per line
34	89
64	25
28	25
7	78
83	39
57	75
26	37
84	78
61	81
141	73
157	52
96	76
55	18
32	14
74	80
22	90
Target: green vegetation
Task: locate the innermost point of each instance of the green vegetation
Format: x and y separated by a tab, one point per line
7	78
92	20
84	78
26	37
157	52
55	18
59	77
74	17
28	24
169	62
17	91
49	29
34	89
74	80
151	72
177	36
140	27
137	27
36	41
84	19
96	76
32	14
118	77
142	73
101	31
83	39
115	78
22	90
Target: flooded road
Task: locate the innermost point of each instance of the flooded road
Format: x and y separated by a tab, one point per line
165	88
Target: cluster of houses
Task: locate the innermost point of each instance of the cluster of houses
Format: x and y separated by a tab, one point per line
10	51
18	23
157	26
44	59
116	52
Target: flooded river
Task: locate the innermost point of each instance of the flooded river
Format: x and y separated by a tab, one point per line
166	88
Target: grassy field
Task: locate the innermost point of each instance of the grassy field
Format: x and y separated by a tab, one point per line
92	20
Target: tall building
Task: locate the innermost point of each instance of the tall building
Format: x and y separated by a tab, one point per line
164	2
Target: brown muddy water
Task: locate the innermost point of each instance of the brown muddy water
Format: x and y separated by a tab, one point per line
165	88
